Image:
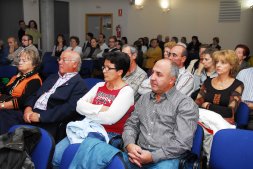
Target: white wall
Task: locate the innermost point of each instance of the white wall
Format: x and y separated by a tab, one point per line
186	18
31	11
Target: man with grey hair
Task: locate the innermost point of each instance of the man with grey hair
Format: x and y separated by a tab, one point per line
162	126
185	80
135	75
27	43
55	102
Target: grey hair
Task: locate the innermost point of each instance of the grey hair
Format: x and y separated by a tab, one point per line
133	49
174	70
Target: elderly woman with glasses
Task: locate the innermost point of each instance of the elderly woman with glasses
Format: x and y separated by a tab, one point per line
109	103
22	85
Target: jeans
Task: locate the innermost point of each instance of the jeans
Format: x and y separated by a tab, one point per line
165	164
63	144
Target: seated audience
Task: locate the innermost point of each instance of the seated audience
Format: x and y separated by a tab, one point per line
60	45
221	94
242	52
33	31
102	44
174	39
12	45
92	50
193	49
153	54
124	40
112	46
87	43
160	42
55	102
143	47
139	59
162	127
24	84
215	44
74	42
194	64
167	47
109	103
184	41
27	43
206	69
246	76
185	80
21	31
135	75
119	45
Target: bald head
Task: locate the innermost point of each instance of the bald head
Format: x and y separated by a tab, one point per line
164	76
70	61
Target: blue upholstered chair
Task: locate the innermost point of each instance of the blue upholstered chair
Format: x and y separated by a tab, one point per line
192	158
7	71
43	152
90	82
232	149
242	115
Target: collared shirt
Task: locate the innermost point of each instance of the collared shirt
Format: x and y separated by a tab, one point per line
246	76
165	128
184	83
135	79
41	103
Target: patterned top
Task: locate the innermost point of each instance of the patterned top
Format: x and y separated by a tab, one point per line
166	128
135	79
223	102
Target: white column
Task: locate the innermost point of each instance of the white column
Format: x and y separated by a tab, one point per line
47	24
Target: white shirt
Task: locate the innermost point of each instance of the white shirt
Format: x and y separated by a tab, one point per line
77	49
102	48
41	103
246	76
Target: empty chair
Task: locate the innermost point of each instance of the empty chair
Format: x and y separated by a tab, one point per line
232	149
49	68
90	82
43	152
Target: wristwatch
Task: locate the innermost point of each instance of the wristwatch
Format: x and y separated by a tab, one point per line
2	105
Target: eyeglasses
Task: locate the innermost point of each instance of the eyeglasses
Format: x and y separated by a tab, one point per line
107	68
24	39
173	54
65	60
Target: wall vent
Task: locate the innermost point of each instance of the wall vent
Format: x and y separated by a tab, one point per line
230	11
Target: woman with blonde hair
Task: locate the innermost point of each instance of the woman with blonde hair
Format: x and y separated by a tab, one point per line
220	96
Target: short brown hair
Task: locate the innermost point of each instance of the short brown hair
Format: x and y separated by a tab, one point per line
230	57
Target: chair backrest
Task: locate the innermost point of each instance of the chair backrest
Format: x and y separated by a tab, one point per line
7	71
197	141
90	82
242	115
43	152
232	149
86	68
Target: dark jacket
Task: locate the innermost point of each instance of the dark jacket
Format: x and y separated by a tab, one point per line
16	146
61	104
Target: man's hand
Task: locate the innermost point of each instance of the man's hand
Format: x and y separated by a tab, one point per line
134	152
35	117
27	115
138	156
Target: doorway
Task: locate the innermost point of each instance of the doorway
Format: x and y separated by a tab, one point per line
99	23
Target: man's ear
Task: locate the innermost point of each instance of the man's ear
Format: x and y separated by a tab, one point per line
120	72
184	58
172	80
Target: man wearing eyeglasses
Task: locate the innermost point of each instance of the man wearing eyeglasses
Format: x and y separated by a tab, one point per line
112	45
27	43
185	80
55	102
